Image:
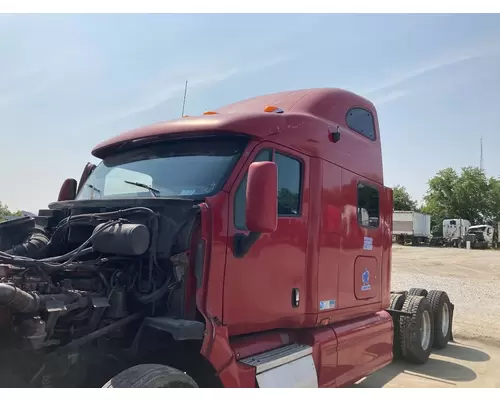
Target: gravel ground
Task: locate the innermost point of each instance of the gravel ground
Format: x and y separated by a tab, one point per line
470	277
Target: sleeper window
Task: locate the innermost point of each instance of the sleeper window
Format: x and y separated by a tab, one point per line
368	206
361	121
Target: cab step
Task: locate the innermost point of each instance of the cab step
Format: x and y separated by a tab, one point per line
290	366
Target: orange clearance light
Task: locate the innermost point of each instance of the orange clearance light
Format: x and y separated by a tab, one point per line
325	321
185	116
209	113
273	109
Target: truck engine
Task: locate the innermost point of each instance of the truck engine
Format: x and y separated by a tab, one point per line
83	277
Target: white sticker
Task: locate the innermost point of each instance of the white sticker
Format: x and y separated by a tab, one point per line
368	243
326	304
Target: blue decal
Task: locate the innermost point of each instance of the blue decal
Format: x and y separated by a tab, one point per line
327	304
365	277
368	243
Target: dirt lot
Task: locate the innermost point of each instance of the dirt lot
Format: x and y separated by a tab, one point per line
470	277
460	365
472	280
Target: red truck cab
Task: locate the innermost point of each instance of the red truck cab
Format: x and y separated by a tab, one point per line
313	287
278	206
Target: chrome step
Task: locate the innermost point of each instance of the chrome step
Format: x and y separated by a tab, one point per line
276	357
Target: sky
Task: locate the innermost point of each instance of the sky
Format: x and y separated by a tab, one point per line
68	82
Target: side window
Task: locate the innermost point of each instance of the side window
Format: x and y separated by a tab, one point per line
361	121
289	182
368	206
240	199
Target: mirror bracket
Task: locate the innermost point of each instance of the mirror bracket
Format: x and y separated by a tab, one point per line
334	135
243	243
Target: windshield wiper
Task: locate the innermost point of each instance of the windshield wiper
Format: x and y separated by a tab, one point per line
154	192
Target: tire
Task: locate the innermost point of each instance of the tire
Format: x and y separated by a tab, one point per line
442	317
151	376
411	336
397	301
417	292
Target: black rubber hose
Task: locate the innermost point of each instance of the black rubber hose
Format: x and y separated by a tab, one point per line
20	301
17	300
49	262
33	247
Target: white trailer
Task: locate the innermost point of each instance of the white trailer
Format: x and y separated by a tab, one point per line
411	225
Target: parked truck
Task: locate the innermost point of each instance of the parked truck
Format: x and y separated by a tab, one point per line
411	226
454	231
246	247
480	236
457	232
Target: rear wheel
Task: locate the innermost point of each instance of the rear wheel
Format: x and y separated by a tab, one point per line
151	376
417	292
442	316
416	332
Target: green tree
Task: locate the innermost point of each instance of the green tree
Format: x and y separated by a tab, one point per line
403	200
5	212
494	201
469	195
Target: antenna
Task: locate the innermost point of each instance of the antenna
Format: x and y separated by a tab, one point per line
184	100
481	159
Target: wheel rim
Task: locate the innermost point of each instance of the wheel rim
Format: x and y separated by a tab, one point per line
445	319
425	330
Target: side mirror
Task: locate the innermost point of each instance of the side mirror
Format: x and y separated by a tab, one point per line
262	197
68	190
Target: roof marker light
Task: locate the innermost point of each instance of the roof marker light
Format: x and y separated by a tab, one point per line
209	113
273	109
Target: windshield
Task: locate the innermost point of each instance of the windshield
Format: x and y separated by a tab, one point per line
186	168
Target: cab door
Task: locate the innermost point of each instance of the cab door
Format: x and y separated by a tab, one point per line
265	288
360	278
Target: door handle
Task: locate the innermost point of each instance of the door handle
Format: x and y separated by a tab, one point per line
295	297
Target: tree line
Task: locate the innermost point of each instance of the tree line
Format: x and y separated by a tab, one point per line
5	212
467	194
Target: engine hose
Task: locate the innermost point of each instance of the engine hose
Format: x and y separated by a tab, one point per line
49	262
17	300
33	247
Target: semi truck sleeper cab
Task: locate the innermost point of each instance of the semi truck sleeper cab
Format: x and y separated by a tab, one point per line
264	261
